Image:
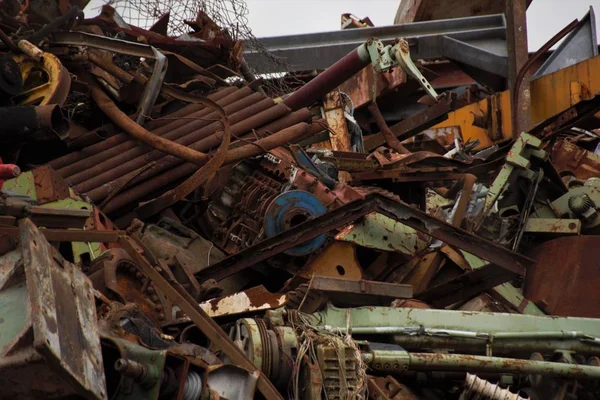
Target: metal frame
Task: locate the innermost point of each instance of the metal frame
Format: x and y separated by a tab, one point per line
321	50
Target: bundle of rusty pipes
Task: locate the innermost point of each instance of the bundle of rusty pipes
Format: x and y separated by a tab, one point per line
172	228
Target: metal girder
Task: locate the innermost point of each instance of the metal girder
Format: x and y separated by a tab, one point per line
474	56
321	50
580	45
512	263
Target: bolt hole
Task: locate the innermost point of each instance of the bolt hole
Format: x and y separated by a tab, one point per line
385	238
340	270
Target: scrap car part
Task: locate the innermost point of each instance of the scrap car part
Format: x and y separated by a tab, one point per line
49	344
190	307
45	80
477	388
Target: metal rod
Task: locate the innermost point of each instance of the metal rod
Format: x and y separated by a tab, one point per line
474	363
172	119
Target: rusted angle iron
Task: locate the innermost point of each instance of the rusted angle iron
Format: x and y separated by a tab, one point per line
513	263
68	235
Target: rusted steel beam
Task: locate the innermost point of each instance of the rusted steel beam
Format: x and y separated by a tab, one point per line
413	125
179	296
516	45
375	202
391	139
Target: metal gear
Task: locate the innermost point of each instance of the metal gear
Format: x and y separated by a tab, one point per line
580	204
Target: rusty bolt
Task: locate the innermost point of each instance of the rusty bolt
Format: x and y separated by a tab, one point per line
161	316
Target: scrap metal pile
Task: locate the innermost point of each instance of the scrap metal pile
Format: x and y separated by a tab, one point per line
401	226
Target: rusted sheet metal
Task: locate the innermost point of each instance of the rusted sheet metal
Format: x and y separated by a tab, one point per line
568	158
565	277
360	86
63	314
252	300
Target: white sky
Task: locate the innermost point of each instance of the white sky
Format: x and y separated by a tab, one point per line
288	17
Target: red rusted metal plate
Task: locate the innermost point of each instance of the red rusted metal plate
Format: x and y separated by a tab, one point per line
565	279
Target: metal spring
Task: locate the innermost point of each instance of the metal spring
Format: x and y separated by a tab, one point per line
477	388
193	386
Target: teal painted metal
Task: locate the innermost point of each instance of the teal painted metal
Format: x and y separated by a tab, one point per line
380	232
14	316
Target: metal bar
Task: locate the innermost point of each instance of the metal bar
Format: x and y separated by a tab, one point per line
471	363
70	38
321	50
516	45
339	217
190	307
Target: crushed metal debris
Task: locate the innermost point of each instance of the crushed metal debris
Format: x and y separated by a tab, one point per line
390	219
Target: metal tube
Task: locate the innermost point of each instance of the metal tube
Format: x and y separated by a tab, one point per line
195	141
383	360
290	135
109	143
329	79
118	155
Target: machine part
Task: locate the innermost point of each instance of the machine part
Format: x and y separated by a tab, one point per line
401	55
576	278
341	371
510	263
517	162
339	136
29	123
553	226
477	388
118	277
344	293
53	332
467	332
372	51
579	203
377	231
45	81
191	308
388	388
580	45
290	209
136	371
193	386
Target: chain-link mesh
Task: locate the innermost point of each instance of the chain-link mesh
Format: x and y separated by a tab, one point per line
231	15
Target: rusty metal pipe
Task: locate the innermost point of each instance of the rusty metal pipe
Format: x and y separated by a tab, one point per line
289	135
167	162
521	75
118	167
329	79
22	123
131	179
391	139
98	163
157	123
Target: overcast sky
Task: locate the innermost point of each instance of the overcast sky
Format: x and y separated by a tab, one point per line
288	17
